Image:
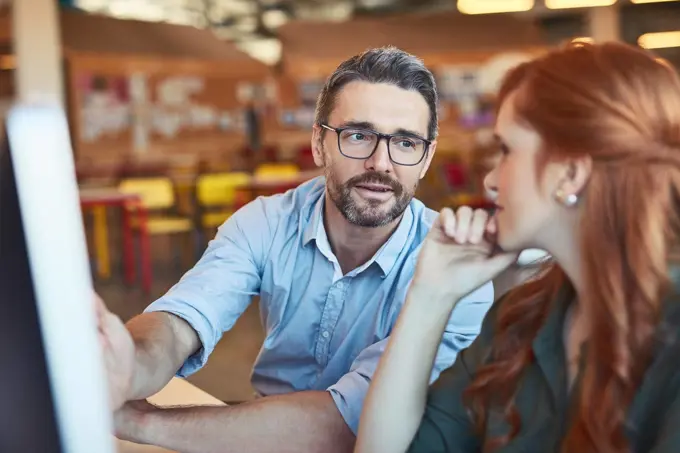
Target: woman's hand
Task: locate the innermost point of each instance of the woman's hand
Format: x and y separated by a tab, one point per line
459	255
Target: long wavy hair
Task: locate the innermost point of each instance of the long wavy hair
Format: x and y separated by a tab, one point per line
620	106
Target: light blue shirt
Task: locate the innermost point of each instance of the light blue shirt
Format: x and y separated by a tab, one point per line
324	330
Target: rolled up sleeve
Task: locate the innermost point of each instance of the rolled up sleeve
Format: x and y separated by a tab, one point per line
217	290
462	329
349	392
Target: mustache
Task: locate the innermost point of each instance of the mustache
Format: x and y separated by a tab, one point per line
376	178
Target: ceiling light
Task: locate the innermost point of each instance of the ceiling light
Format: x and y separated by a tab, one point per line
267	51
494	6
660	40
652	1
583	39
563	4
274	18
137	10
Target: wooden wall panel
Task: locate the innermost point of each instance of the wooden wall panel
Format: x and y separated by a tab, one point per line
219	92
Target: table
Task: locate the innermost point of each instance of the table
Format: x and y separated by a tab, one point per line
99	200
177	392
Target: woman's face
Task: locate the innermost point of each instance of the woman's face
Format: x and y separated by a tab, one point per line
527	215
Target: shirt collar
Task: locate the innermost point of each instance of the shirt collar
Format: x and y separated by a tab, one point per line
387	255
311	230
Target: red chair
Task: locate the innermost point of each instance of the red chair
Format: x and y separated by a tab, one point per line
455	175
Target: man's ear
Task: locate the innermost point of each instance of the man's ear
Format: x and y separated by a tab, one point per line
317	146
428	158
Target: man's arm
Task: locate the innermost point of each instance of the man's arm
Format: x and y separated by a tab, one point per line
163	342
298	422
177	333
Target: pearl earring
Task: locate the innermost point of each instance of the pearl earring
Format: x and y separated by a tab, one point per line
568	200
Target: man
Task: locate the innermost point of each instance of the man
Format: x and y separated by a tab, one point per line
331	262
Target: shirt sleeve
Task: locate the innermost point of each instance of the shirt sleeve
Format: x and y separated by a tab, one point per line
349	392
446	426
217	290
464	325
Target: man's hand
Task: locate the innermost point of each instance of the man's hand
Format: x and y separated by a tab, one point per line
118	350
129	420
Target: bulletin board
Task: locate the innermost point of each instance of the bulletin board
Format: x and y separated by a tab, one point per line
126	108
187	106
103	109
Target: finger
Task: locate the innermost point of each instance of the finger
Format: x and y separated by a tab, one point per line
463	220
447	222
478	226
492	226
99	305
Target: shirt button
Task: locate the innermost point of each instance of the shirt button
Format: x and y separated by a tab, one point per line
325	334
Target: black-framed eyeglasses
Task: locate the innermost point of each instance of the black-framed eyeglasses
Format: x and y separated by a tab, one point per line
403	149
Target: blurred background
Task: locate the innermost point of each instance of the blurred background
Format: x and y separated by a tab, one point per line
181	111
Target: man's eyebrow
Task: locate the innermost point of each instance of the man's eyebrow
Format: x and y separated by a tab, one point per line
402	131
358	124
368	125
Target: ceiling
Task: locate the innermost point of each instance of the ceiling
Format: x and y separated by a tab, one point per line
239	17
252	24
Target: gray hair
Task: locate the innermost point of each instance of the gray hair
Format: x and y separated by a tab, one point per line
381	65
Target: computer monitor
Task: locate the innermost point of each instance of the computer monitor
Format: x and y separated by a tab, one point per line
53	396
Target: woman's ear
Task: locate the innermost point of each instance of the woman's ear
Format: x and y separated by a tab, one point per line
571	176
577	174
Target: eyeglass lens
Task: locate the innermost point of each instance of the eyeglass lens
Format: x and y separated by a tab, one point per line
360	144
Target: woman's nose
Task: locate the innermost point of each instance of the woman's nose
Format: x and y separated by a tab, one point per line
490	185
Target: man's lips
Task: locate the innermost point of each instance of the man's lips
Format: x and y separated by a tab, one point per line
375	187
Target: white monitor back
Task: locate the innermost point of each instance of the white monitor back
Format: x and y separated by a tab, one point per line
56	377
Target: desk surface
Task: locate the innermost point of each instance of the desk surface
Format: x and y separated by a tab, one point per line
94	195
177	392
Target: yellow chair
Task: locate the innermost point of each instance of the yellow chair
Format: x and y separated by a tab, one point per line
218	195
157	195
276	171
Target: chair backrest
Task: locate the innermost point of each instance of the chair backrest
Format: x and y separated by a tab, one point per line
156	192
455	175
220	189
276	171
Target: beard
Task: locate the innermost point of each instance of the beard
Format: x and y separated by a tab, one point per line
370	213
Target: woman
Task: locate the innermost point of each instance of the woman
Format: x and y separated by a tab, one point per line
586	357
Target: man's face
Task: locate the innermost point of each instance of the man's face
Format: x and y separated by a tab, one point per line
375	191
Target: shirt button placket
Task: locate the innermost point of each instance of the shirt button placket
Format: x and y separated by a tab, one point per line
329	319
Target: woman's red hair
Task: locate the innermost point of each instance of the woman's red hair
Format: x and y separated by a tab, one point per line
618	105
